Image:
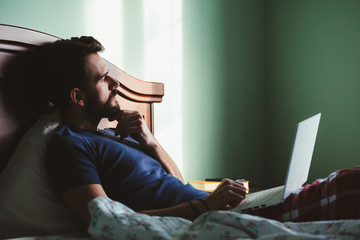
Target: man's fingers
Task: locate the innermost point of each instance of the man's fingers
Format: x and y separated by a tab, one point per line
125	115
131	123
130	126
236	198
231	185
129	114
229	182
127	118
121	131
116	116
228	195
235	190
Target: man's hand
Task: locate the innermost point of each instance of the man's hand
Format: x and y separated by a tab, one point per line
132	123
227	195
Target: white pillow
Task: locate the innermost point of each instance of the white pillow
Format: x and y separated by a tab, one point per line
28	205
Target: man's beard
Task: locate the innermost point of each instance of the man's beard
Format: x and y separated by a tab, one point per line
101	110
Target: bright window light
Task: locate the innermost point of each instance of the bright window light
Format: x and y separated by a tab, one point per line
102	16
163	63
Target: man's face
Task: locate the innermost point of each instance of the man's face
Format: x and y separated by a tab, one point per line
101	89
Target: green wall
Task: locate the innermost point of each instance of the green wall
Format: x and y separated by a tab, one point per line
65	18
223	89
253	69
313	65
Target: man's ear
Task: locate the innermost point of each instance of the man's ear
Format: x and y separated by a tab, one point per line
77	97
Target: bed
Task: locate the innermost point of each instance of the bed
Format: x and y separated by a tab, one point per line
30	210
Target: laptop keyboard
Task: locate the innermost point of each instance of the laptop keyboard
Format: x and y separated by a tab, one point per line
261	197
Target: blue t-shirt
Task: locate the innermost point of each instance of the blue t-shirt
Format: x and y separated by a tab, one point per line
127	174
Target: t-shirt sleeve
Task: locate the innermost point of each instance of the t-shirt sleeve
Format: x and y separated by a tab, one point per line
71	163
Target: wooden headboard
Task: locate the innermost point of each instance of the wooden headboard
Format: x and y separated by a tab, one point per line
18	112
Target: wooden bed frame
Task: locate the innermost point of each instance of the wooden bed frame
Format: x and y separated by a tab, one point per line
18	112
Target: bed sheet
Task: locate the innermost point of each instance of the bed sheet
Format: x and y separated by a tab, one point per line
113	220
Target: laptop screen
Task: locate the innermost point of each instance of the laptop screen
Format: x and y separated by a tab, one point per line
301	155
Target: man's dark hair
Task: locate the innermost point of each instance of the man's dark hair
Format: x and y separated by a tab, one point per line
63	67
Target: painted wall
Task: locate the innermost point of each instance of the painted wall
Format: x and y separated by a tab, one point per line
60	18
254	69
312	65
223	89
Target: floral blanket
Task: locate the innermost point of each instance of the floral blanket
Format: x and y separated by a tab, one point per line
113	220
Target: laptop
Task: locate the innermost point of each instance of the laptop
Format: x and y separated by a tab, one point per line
298	169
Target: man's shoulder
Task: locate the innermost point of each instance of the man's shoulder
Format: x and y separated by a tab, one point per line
67	141
65	134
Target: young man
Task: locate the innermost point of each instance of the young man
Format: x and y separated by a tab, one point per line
129	165
126	164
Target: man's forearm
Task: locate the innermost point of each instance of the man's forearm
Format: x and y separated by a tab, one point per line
157	152
184	210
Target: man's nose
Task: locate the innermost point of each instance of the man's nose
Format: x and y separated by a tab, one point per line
113	83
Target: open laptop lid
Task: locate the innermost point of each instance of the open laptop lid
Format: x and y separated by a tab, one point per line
301	155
